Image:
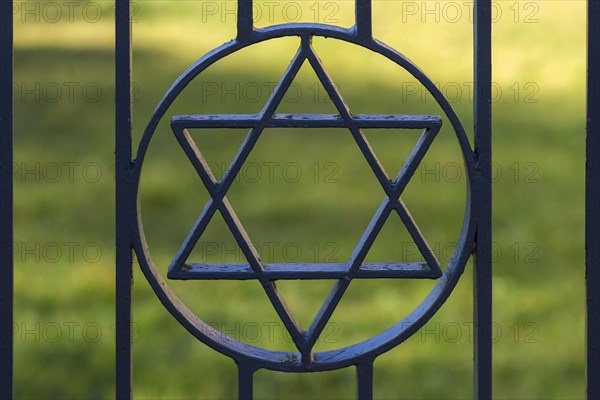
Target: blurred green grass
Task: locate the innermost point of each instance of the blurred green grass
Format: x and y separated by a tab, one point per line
65	299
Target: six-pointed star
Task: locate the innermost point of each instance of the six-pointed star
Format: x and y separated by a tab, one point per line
355	267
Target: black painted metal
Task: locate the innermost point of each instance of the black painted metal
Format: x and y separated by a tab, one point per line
179	269
6	200
364	380
361	355
304	360
476	225
482	296
245	380
476	229
125	212
592	200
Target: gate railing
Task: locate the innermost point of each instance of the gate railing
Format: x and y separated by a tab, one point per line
6	199
126	196
592	203
475	237
482	279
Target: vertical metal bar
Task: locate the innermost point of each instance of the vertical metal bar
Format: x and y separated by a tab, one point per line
364	19
364	381
6	200
245	381
245	18
592	201
124	204
482	296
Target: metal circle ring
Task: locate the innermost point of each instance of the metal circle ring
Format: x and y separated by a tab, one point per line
354	354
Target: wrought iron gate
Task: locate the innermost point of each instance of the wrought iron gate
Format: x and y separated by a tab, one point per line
475	236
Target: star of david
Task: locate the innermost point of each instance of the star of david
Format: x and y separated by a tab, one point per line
267	274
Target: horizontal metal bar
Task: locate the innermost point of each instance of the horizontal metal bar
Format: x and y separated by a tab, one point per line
407	121
304	271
